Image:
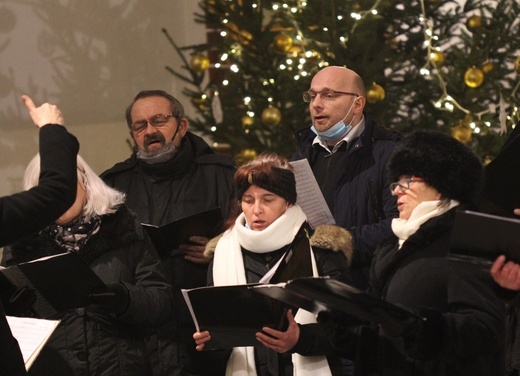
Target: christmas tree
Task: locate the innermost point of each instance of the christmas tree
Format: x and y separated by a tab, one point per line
452	66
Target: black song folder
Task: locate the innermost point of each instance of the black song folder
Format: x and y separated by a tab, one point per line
167	238
325	294
479	238
61	282
233	314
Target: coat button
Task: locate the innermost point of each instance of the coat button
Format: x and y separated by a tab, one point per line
82	356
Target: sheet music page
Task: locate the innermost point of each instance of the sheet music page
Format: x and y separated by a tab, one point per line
310	198
31	334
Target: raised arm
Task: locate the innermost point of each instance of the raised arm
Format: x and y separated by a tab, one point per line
27	212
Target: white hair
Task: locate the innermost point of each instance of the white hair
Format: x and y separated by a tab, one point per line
100	198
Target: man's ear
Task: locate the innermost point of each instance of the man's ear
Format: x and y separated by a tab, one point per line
183	126
359	104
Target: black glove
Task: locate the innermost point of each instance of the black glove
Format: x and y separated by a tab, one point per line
337	328
422	336
113	298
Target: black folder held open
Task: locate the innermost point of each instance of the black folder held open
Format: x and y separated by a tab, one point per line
233	314
61	282
167	238
479	238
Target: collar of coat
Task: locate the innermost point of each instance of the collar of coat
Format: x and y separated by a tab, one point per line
327	237
116	230
373	131
194	150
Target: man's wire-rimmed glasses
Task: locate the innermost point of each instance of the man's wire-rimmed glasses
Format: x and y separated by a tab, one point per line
325	94
157	121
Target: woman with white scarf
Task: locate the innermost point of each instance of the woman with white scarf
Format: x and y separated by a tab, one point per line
270	241
462	327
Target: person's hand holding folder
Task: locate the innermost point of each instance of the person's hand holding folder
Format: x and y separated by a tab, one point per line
273	339
194	251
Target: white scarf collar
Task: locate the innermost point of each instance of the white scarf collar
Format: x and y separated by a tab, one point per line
404	228
228	269
281	232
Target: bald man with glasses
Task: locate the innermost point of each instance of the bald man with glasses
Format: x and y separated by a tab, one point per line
348	152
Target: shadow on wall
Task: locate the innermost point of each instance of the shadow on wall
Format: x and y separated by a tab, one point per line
89	57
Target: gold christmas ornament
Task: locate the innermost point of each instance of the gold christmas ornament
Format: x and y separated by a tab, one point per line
247	121
438	58
474	77
245	156
295	51
241	36
271	116
487	66
199	62
283	42
517	65
375	93
462	131
199	102
474	23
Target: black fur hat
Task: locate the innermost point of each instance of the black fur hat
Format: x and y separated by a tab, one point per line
443	162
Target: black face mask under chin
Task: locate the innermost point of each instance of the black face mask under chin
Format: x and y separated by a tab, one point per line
164	154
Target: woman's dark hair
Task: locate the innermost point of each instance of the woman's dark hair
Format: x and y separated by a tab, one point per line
269	171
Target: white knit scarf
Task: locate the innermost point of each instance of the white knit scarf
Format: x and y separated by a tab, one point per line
404	228
228	269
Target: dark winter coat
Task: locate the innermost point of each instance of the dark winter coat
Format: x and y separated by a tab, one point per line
363	203
196	180
91	341
333	251
24	213
464	330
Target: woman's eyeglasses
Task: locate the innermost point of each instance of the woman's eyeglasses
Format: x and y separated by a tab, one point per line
404	184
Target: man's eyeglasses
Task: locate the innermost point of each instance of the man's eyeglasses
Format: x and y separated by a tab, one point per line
158	121
404	184
325	94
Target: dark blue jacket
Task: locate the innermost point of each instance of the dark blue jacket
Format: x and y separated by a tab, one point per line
363	203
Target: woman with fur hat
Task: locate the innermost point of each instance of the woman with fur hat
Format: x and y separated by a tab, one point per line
269	240
462	330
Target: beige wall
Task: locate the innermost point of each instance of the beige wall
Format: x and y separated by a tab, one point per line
90	58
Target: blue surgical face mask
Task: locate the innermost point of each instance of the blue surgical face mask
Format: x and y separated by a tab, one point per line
337	131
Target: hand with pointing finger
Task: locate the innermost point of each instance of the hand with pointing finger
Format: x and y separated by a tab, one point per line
43	115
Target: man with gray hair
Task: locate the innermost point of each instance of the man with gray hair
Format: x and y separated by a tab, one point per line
173	174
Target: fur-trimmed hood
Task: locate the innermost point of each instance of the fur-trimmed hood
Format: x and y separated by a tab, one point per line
334	238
